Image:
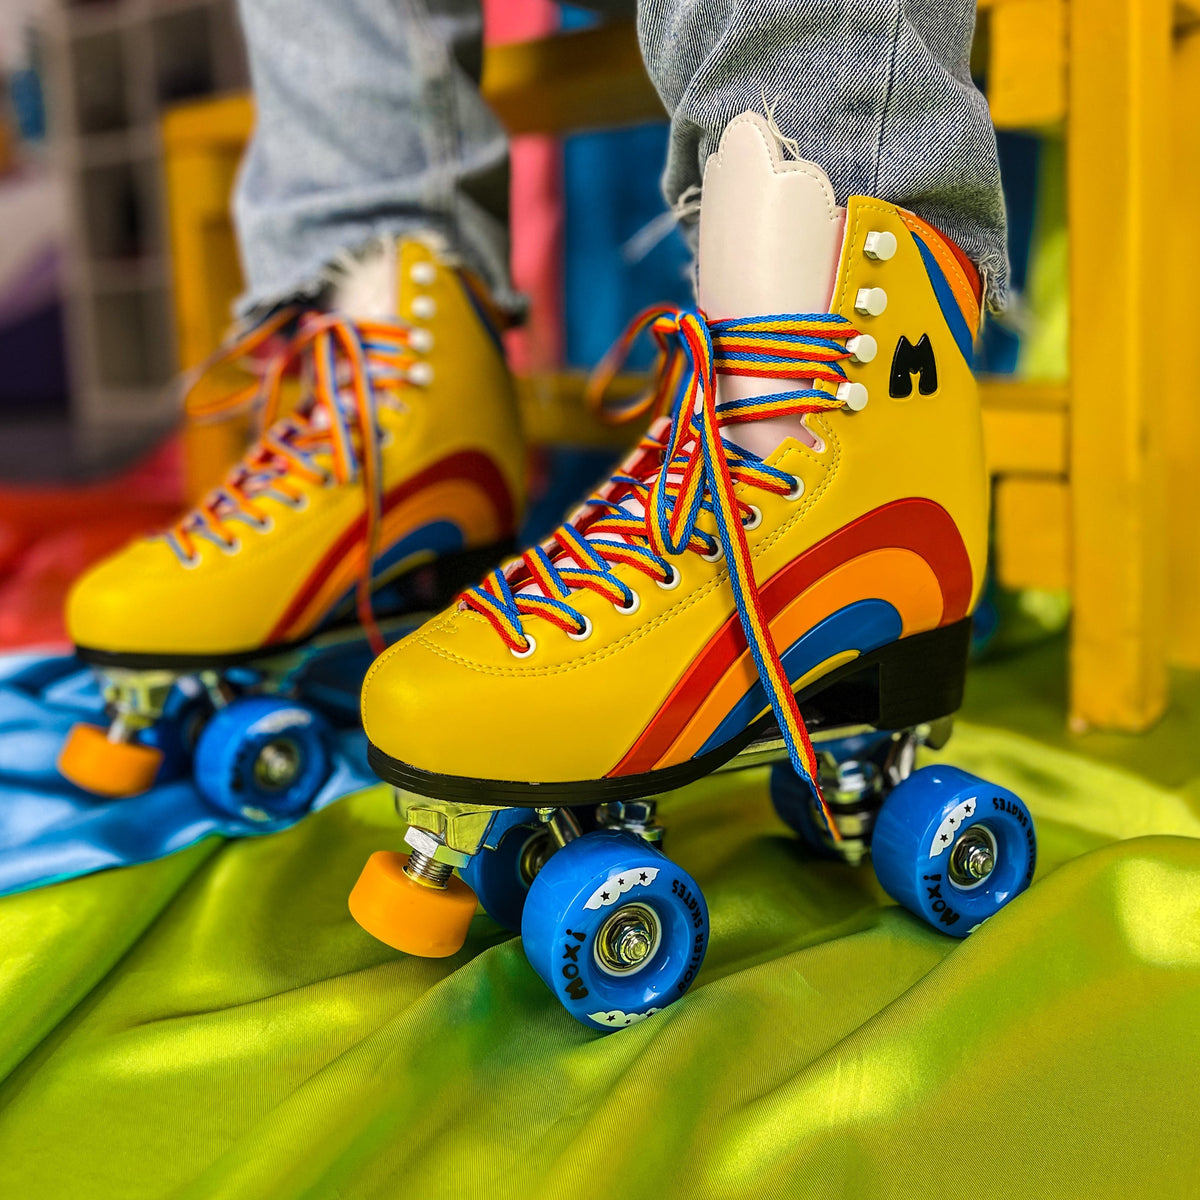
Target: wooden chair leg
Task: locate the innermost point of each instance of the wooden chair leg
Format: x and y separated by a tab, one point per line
1183	377
1118	176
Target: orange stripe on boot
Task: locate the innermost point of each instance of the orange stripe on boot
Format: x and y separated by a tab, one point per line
911	587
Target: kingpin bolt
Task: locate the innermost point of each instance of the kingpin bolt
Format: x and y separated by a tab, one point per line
422	866
635	816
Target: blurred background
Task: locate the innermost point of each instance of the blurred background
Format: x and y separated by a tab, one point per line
121	124
89	312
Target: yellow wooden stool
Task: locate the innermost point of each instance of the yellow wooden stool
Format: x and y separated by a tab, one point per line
1083	466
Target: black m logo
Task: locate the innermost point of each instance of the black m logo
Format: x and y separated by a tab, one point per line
913	360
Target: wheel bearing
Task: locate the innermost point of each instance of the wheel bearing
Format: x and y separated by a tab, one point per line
972	858
278	764
628	940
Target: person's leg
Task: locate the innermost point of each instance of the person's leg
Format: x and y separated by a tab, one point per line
802	538
369	122
375	197
878	92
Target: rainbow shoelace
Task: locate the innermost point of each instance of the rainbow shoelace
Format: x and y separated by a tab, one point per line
348	369
677	476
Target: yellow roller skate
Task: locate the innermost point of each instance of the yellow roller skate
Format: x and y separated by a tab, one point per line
797	545
395	480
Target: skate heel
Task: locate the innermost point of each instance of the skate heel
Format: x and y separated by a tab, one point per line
921	677
902	684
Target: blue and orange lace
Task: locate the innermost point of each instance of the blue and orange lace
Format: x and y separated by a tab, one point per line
689	470
347	367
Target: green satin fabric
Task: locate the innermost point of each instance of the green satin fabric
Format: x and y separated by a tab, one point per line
214	1025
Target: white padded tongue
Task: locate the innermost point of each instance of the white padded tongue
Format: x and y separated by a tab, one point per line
770	239
365	284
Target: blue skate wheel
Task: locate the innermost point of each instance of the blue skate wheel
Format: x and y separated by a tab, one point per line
793	801
499	875
177	732
953	848
614	928
263	758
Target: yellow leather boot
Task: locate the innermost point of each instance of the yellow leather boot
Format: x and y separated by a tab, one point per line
798	544
396	480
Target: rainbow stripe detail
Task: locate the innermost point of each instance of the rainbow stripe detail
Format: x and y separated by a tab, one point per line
461	500
353	367
955	297
692	470
906	562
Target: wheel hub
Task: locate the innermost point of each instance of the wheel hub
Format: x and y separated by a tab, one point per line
277	764
536	851
626	942
973	858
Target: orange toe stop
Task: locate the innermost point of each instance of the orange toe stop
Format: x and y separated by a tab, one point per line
90	761
407	915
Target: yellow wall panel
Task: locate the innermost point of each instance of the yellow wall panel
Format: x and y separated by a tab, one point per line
1027	63
1025	428
1032	533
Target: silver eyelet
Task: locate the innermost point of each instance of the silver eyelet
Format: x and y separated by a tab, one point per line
295	505
672	581
231	547
190	564
716	555
632	607
263	526
528	649
755	518
796	490
583	634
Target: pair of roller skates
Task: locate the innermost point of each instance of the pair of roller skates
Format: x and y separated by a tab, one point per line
783	569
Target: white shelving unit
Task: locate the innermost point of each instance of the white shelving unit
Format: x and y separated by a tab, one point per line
114	66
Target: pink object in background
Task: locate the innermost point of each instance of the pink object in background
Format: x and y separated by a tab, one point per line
537	225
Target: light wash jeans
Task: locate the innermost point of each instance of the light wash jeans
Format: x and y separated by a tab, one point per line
370	120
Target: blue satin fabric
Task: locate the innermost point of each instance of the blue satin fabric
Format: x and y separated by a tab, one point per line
51	830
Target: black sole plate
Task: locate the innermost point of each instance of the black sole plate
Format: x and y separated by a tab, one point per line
898	686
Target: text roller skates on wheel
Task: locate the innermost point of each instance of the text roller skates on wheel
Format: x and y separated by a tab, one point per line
392	484
797	544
